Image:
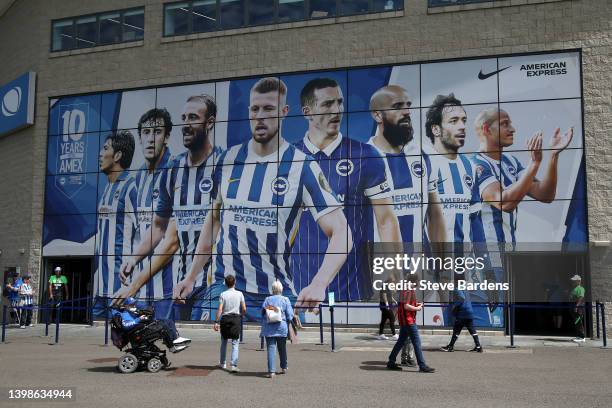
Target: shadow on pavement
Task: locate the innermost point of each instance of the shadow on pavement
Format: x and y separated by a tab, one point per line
104	369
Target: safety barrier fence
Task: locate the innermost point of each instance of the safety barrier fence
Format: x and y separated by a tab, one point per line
510	313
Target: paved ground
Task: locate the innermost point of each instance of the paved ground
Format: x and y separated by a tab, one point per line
542	372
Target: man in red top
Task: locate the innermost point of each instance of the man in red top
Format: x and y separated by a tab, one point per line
406	315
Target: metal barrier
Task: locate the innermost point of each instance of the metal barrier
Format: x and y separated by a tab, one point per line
510	307
603	325
33	306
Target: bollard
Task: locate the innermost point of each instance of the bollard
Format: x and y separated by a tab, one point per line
511	325
90	302
241	329
3	323
597	317
48	309
603	325
321	324
333	338
57	321
105	326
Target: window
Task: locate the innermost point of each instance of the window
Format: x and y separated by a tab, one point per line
133	25
63	35
322	8
232	13
197	16
261	12
291	10
97	29
440	3
204	14
110	28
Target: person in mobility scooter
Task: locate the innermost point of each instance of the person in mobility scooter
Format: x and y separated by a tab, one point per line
136	328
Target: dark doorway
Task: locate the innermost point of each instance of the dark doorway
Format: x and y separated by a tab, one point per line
541	286
79	272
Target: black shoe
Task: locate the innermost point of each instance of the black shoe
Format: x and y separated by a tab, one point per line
427	369
409	363
394	366
448	349
477	349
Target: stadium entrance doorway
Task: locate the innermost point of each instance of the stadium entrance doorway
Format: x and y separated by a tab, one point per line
79	272
541	287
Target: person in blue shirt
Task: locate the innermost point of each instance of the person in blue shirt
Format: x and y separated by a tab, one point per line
463	313
13	296
132	319
276	333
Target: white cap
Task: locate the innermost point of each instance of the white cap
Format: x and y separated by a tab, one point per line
576	278
57	268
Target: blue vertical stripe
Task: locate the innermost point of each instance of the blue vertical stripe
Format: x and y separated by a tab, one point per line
457	185
237	263
237	169
440	182
257	182
459	228
400	172
260	276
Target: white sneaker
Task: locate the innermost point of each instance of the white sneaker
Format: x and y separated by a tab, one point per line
284	370
177	349
382	337
394	337
271	375
222	366
182	340
22	327
235	369
579	340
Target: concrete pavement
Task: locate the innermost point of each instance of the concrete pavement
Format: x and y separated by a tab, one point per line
542	372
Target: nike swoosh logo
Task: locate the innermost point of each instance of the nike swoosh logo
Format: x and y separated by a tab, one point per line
482	76
233	180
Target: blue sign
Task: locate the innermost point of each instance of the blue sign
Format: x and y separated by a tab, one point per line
17	103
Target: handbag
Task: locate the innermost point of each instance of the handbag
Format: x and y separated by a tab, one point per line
274	316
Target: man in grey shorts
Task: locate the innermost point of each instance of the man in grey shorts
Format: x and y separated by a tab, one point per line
231	307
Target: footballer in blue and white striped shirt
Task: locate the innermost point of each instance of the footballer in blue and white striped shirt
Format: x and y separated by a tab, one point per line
184	192
409	169
261	188
154	129
117	222
502	181
445	126
356	174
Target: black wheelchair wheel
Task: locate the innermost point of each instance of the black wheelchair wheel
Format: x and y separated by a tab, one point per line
128	363
154	365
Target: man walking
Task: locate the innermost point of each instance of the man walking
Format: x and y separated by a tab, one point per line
231	307
406	314
577	298
464	317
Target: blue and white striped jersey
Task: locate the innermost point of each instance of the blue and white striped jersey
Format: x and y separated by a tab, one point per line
147	183
117	232
455	182
410	177
263	200
355	172
499	226
184	193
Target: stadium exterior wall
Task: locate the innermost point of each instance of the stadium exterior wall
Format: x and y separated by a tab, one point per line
412	35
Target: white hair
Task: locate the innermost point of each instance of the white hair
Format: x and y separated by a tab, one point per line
277	288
